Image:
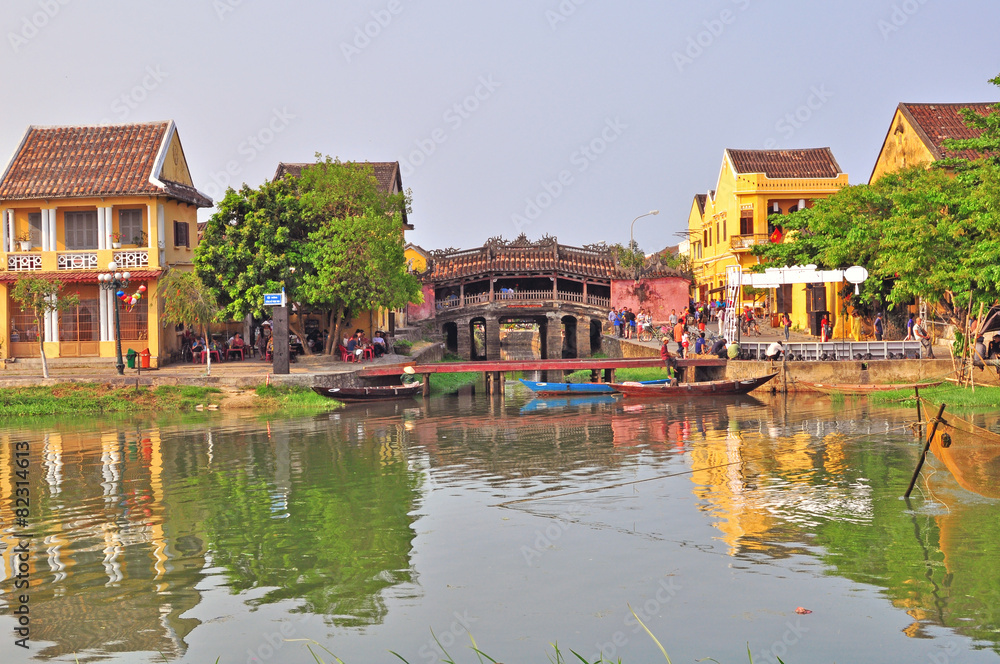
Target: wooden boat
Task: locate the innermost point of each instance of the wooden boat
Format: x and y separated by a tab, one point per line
847	388
705	388
548	389
378	393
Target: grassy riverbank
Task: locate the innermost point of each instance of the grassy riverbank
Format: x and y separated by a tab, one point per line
953	395
94	398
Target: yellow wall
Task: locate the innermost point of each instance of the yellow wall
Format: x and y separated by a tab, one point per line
903	148
416	260
735	193
175	164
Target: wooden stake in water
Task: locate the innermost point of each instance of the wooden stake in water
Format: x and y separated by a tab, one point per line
923	454
920	417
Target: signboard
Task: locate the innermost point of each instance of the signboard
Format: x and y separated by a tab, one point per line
274	299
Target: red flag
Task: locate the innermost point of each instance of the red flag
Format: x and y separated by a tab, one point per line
776	236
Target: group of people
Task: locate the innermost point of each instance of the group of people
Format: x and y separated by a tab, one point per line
627	323
192	347
358	343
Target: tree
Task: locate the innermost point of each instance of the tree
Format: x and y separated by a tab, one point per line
40	297
330	237
186	300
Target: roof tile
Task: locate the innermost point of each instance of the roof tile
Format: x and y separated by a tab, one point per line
939	122
800	163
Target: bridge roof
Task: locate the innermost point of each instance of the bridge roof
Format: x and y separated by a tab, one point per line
521	257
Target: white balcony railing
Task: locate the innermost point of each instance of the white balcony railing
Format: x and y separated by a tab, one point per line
77	261
24	262
132	259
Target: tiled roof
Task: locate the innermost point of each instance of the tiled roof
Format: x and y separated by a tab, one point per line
542	258
69	277
98	160
937	122
386	172
803	163
701	199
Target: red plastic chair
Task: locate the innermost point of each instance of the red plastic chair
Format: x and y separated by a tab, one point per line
369	353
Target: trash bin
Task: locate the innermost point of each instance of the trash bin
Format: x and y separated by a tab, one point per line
144	358
130	358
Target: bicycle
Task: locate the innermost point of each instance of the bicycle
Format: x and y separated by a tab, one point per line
650	332
749	327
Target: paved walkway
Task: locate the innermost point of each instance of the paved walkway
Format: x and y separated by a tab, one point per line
245	373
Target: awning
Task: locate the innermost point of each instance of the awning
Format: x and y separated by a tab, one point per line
73	277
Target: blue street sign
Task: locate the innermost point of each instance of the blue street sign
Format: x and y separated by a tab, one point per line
274	299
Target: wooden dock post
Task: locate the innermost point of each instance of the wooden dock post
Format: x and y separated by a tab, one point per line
923	454
427	385
920	417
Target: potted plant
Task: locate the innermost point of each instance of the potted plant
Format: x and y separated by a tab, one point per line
24	238
140	239
402	346
116	240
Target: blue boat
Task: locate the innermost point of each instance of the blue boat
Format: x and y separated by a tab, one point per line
578	388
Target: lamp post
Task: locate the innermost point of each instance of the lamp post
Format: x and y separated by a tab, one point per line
631	241
113	281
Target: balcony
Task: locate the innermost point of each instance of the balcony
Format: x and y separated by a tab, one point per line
745	242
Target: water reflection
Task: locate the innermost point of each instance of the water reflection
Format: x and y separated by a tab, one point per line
135	527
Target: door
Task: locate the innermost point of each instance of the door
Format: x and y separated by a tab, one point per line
80	329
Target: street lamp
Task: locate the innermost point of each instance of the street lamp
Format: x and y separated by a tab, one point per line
631	241
114	281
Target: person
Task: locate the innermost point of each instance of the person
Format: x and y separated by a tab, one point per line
378	344
668	361
679	336
774	351
630	318
993	350
699	344
823	324
355	347
909	329
719	348
673	317
924	338
733	351
878	327
613	319
265	332
979	353
786	322
685	343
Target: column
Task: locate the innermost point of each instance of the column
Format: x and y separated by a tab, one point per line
492	339
102	304
583	336
461	295
161	223
464	338
102	229
51	322
53	213
555	291
492	282
150	215
553	337
4	229
110	322
585	291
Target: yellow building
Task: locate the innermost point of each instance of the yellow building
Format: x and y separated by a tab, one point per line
917	133
726	223
74	199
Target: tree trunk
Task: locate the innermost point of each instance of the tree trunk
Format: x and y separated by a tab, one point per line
338	321
331	337
302	338
41	349
208	349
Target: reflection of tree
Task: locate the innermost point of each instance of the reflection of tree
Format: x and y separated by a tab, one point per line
337	537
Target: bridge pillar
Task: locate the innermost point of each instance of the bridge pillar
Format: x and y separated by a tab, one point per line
583	336
553	336
464	338
492	339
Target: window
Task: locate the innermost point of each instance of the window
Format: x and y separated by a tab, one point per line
746	222
707	239
81	230
35	226
181	234
130	227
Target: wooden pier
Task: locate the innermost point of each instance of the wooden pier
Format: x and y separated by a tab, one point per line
494	370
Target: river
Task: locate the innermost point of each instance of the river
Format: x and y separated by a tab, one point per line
210	536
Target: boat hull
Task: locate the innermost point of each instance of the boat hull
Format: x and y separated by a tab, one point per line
380	393
707	388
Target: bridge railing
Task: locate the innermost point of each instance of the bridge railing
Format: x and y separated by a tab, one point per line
454	302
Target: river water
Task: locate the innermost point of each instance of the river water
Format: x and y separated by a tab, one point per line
523	523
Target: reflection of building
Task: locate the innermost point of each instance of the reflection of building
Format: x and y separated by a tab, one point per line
72	200
725	224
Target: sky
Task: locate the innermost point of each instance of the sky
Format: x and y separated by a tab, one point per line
566	118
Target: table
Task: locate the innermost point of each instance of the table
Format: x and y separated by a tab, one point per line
235	352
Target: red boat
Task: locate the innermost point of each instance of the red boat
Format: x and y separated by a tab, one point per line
702	389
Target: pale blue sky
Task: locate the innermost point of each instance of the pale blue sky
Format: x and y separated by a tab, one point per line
489	105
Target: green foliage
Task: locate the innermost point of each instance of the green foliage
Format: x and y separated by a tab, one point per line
91	398
330	237
186	300
41	297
